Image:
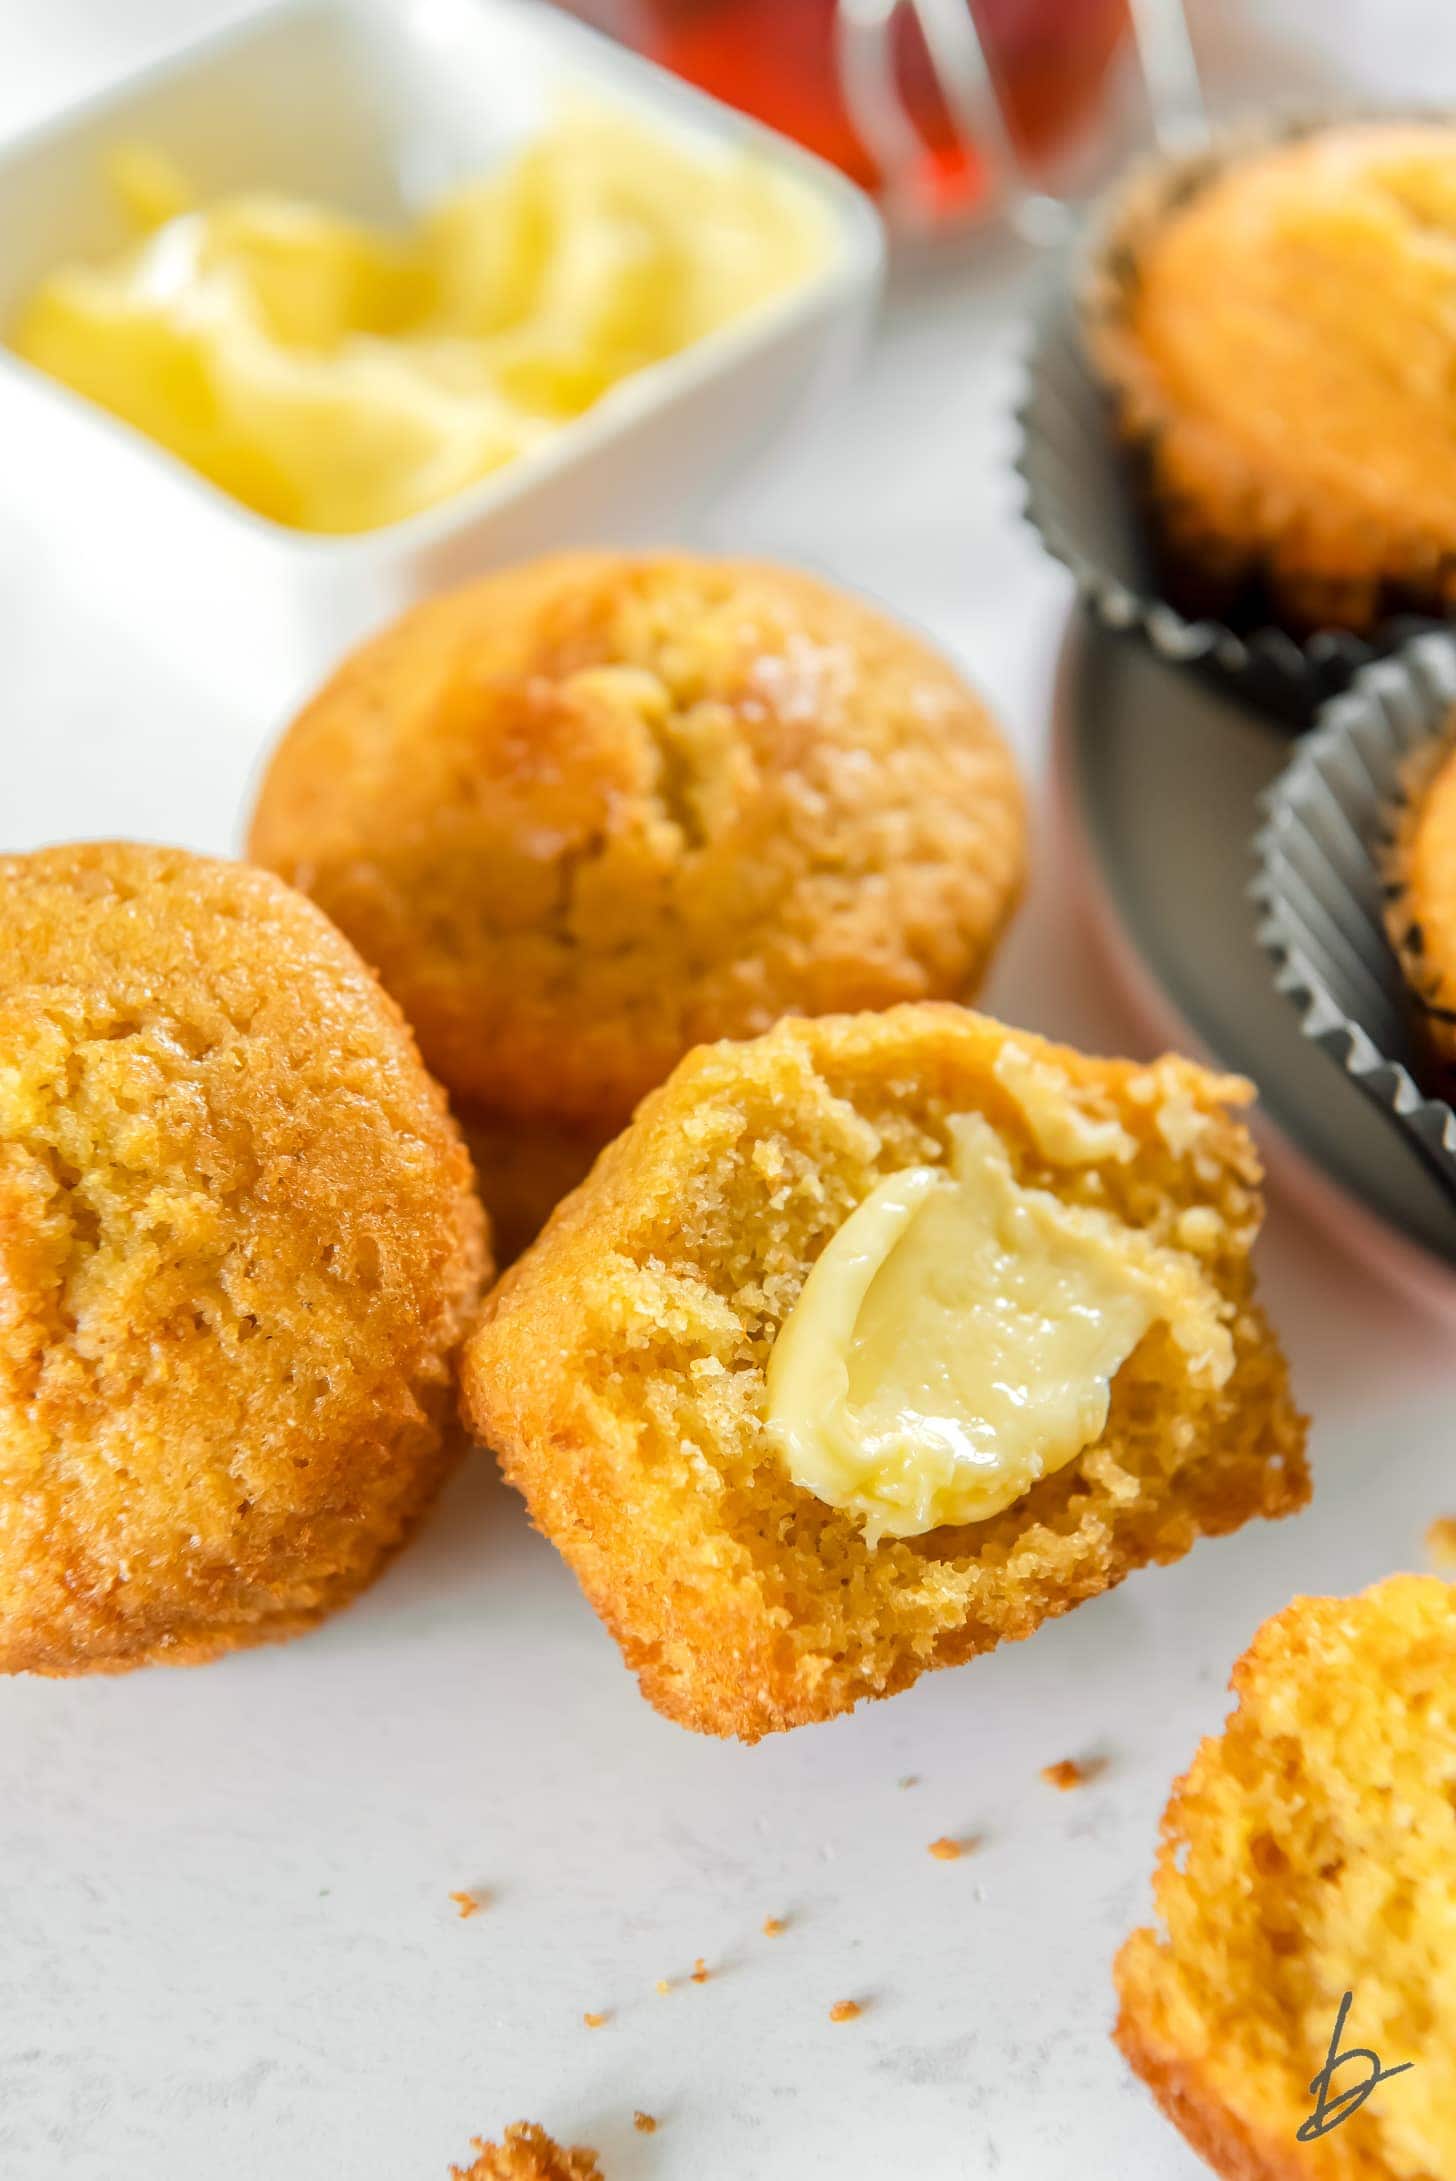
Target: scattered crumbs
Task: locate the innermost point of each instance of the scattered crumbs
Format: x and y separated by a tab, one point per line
911	1779
946	1850
594	2021
1441	1541
773	1927
644	2124
468	1904
1069	1772
663	1985
845	2010
701	1972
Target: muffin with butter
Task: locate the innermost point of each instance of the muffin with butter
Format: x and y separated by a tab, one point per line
1306	1900
1274	322
238	1251
879	1340
593	811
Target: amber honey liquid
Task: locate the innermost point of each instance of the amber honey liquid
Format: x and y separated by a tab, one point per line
776	59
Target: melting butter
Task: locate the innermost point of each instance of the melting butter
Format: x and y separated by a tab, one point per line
957	1340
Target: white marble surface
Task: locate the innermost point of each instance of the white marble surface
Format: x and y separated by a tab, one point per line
226	1940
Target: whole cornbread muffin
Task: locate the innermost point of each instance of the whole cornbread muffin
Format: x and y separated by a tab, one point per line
1308	1855
1277	324
591	812
1420	867
238	1249
879	1340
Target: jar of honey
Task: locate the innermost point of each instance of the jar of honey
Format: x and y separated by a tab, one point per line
933	105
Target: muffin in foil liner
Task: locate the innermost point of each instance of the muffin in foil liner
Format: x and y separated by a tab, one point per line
1323	884
1085	469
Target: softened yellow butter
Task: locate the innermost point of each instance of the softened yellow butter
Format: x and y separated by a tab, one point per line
958	1336
336	376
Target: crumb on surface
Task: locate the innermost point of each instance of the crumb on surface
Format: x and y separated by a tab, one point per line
664	1984
645	2124
773	1927
1069	1772
701	1971
594	2021
526	2153
911	1779
946	1850
467	1904
1441	1541
845	2010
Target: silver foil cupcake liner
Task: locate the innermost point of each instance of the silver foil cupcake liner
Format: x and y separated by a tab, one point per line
1083	493
1322	885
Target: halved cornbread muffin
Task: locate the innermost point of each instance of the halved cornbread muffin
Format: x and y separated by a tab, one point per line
1309	1857
878	1340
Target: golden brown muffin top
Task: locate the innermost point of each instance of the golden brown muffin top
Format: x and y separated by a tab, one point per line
1290	321
237	1248
588	813
1311	1851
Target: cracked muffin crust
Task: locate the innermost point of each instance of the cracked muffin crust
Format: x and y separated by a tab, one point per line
238	1249
1310	1851
620	1369
588	813
1275	323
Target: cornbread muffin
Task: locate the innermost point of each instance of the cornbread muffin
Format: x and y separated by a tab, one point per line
527	2153
1309	1853
1420	868
658	1368
238	1248
1274	321
594	811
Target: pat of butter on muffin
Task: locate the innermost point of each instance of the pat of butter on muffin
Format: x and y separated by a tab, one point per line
958	1336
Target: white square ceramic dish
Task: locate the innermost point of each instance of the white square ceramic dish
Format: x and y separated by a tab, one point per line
378	106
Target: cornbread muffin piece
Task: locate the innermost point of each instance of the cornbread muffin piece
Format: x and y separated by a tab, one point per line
238	1248
1275	323
1420	868
619	1370
527	2153
588	813
1310	1851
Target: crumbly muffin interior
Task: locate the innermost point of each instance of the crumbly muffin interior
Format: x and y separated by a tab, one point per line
1310	1852
619	1370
